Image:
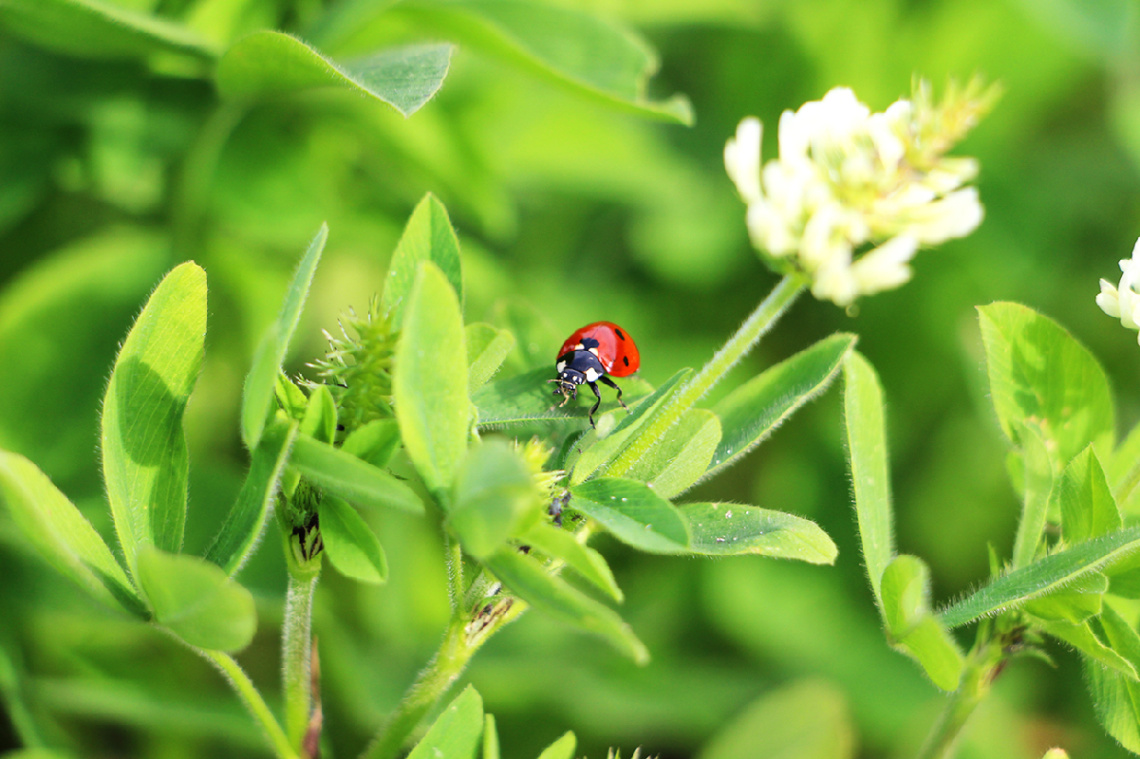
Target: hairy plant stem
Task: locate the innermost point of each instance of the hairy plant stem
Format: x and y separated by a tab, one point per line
252	699
429	687
983	664
465	634
297	655
754	327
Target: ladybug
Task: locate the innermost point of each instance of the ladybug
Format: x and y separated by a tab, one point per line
591	355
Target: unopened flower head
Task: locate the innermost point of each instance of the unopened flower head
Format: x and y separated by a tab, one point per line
854	194
1123	301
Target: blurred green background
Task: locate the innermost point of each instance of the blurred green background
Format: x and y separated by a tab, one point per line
112	170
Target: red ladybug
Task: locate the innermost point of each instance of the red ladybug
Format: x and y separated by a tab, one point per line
589	355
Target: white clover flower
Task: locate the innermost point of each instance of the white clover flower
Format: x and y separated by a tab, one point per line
1123	302
853	194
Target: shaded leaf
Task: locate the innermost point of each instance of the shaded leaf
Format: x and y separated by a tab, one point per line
99	29
590	565
530	581
61	535
865	439
564	45
809	719
1052	573
429	383
1036	485
752	411
239	533
487	348
494	498
350	478
351	545
196	600
528	398
1084	501
274	63
261	382
319	420
145	462
374	442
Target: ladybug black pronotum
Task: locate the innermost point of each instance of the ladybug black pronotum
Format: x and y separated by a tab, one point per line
593	354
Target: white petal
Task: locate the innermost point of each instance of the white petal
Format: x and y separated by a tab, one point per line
956	215
742	159
886	267
1108	300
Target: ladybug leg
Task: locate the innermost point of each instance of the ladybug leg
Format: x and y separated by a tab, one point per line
566	390
613	384
594	387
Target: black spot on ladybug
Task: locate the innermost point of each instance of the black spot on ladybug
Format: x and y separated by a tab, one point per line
625	360
620	336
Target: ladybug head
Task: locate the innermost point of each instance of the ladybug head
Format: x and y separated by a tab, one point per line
578	367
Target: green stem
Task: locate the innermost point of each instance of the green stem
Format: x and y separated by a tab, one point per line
253	701
427	690
982	666
455	589
464	637
297	655
755	326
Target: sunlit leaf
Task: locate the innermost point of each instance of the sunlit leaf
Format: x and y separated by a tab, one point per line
350	478
866	442
730	529
429	384
455	732
56	529
563	748
596	459
912	627
1039	373
752	411
145	462
242	528
261	382
634	514
675	462
1043	576
428	236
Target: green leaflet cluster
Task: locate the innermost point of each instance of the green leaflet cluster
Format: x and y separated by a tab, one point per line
1073	569
320	462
